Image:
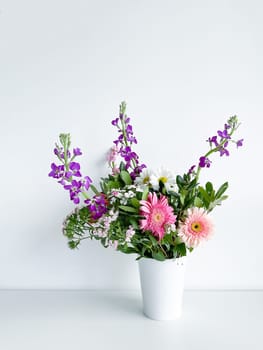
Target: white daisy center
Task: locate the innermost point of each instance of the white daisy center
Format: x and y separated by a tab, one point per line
163	179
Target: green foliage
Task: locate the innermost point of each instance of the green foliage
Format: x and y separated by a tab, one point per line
128	209
208	198
78	225
126	178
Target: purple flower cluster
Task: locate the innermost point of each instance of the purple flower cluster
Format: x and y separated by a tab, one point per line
204	162
69	174
77	187
57	171
220	142
60	153
97	206
124	142
191	170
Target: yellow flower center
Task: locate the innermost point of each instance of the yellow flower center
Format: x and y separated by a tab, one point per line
158	216
196	226
163	179
146	180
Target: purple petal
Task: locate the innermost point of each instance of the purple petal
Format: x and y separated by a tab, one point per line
77	152
115	121
240	143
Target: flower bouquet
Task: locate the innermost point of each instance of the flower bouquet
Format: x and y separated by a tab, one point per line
156	215
153	214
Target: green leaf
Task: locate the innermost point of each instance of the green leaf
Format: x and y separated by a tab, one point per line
112	184
210	191
94	189
145	193
134	223
182	198
128	209
158	256
153	240
221	190
135	203
181	248
204	196
125	176
198	202
73	244
209	187
180	181
216	202
122	166
128	250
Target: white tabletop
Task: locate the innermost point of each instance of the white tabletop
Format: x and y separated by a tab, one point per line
114	320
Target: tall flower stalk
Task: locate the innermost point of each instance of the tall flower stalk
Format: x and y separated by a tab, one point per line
220	142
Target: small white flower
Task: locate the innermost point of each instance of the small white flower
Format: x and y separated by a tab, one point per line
123	201
166	177
144	178
170	228
129	234
114	216
131	187
113	244
131	194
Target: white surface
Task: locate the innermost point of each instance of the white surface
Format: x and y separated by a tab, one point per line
113	320
183	67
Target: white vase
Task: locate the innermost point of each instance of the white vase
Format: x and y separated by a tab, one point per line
162	287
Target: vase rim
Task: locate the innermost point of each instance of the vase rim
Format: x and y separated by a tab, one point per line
180	259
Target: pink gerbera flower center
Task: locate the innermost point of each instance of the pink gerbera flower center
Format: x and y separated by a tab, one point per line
157	215
196	227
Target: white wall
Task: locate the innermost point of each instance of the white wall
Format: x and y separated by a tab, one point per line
183	67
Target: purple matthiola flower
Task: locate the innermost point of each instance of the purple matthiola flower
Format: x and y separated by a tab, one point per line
223	134
204	162
128	156
137	171
74	190
213	139
97	206
223	151
129	134
75	169
77	152
115	122
191	170
124	141
59	152
240	143
86	182
57	171
120	139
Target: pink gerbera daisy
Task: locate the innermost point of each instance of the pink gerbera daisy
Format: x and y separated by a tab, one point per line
196	227
157	215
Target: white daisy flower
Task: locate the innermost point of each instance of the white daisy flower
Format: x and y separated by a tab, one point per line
166	177
144	178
